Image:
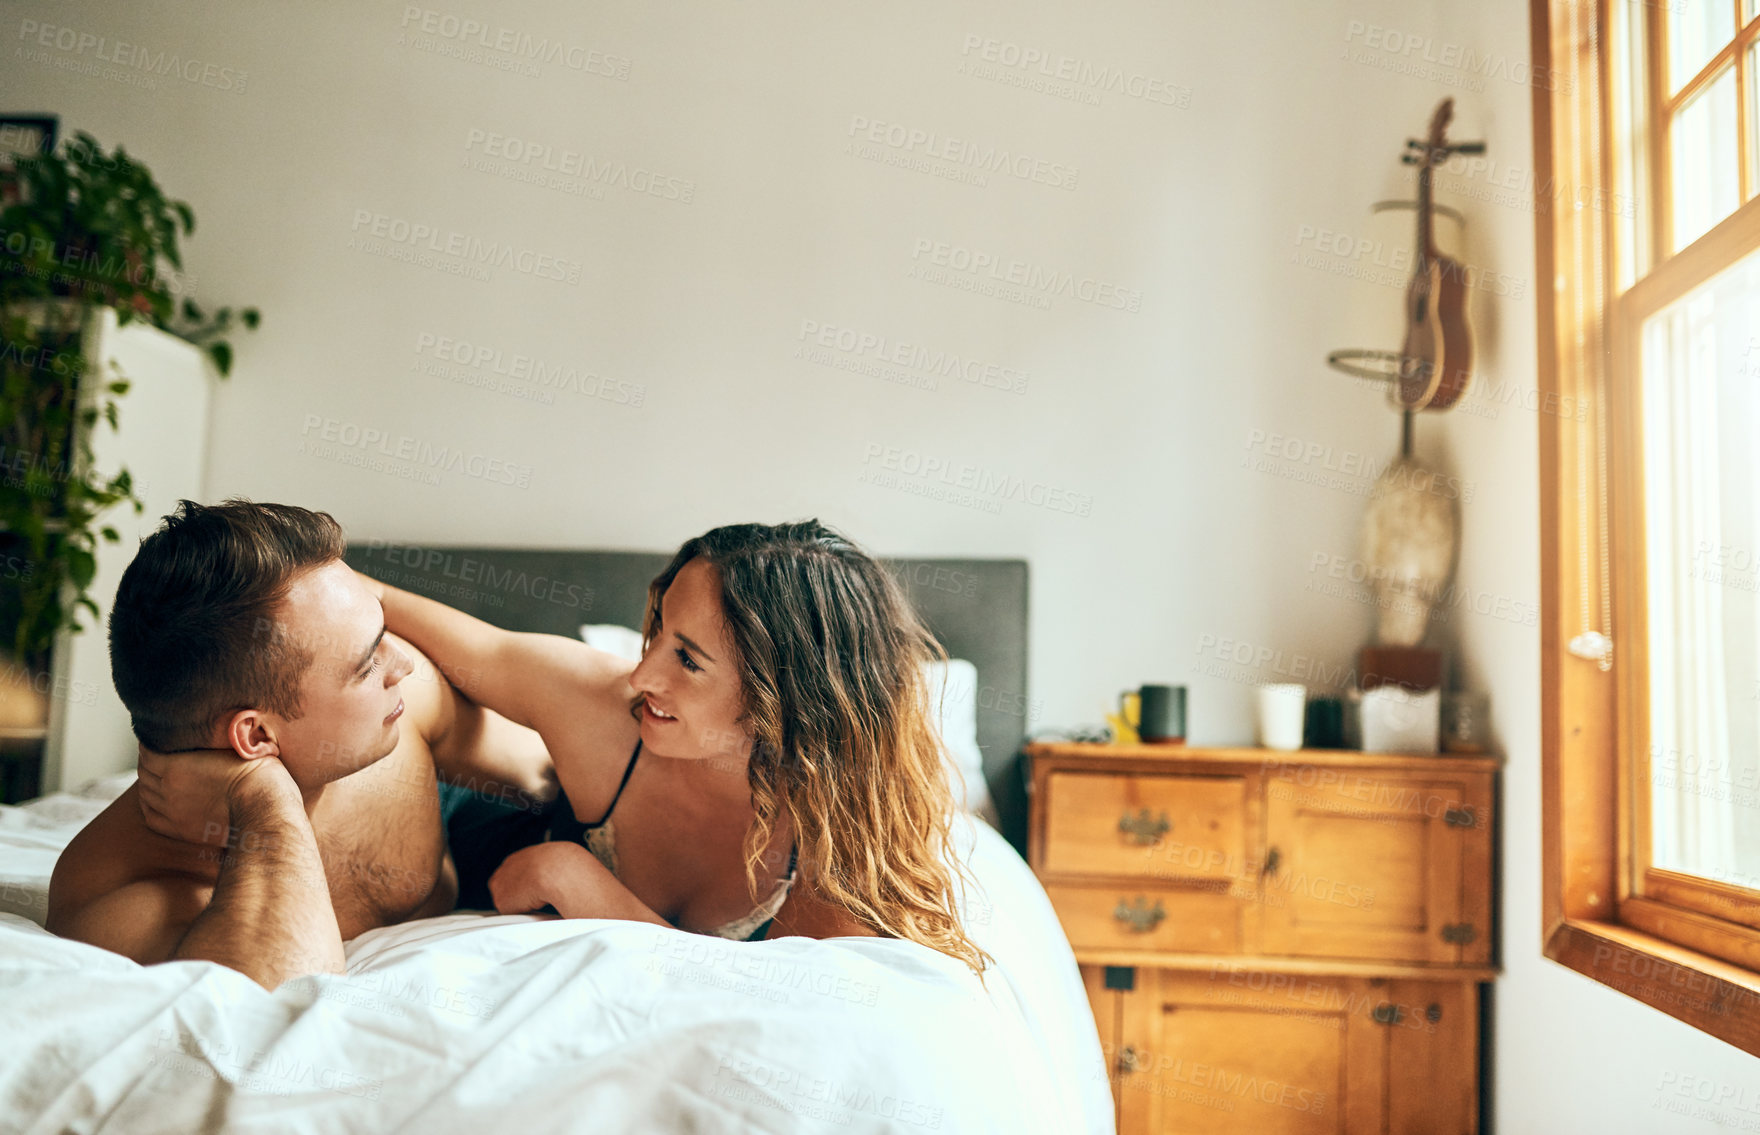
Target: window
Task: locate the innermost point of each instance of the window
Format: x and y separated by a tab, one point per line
1700	365
1645	134
1702	154
1705	62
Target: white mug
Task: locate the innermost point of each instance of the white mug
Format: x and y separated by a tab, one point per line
1283	707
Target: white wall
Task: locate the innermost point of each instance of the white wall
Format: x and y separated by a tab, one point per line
171	384
1239	214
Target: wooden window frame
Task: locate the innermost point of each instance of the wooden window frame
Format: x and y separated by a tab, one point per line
1663	107
1688	947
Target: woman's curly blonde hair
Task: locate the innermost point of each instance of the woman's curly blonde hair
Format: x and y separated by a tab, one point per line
831	660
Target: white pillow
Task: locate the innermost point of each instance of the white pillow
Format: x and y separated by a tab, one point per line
953	696
613	639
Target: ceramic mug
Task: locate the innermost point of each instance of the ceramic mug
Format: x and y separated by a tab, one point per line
1282	710
1161	716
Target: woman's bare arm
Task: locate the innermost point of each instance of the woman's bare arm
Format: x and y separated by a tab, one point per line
568	877
536	680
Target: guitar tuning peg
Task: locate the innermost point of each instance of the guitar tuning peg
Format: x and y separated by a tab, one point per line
1468	148
1410	159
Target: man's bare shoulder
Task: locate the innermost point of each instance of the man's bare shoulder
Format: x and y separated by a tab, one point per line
115	850
425	691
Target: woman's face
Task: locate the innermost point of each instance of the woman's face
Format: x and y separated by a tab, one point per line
689	677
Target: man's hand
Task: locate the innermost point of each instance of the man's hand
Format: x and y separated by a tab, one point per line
558	874
190	796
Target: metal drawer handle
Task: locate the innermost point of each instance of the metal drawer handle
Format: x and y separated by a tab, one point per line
1139	916
1128	1060
1458	933
1142	828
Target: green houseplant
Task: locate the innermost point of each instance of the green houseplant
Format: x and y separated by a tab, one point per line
80	230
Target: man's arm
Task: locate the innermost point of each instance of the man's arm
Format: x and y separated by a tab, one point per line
270	918
267	915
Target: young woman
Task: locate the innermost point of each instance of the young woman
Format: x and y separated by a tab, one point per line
770	768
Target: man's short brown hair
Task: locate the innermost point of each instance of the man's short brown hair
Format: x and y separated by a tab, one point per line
194	633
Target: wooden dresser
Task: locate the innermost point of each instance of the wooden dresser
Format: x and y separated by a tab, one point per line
1275	942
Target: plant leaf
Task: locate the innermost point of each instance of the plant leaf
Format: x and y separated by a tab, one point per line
81	567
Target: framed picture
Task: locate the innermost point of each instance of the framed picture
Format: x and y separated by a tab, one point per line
21	135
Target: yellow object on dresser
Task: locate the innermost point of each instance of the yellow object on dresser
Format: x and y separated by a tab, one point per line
1275	941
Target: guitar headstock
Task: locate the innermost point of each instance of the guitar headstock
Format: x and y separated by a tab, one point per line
1434	150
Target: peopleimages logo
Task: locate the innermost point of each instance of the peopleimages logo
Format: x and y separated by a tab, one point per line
1356	472
466	32
416	237
962	152
435	564
1080	74
103	49
565	166
1035	280
986	484
326	437
34	254
1343	254
884	349
546	376
1416	50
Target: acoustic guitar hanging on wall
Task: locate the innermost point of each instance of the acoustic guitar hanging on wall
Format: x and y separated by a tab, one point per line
1436	361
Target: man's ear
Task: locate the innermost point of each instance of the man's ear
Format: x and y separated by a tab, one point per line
251	733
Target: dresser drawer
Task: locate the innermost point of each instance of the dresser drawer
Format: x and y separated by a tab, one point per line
1138	918
1150	825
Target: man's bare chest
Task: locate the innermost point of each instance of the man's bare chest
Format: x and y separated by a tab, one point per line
384	851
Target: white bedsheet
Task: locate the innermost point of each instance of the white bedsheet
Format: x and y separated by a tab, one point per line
510	1023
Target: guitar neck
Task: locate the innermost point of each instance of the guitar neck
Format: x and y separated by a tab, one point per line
1426	237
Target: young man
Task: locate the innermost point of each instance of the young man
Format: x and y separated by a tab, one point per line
293	757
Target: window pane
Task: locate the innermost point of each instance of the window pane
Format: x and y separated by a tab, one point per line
1753	116
1703	149
1701	390
1697	30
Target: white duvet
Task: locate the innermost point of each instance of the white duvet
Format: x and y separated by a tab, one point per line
511	1023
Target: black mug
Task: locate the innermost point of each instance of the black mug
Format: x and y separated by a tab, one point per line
1162	713
1325	724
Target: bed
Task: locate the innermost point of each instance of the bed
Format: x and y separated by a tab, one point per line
482	1022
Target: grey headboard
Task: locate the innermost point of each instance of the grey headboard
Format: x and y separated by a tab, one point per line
977	608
